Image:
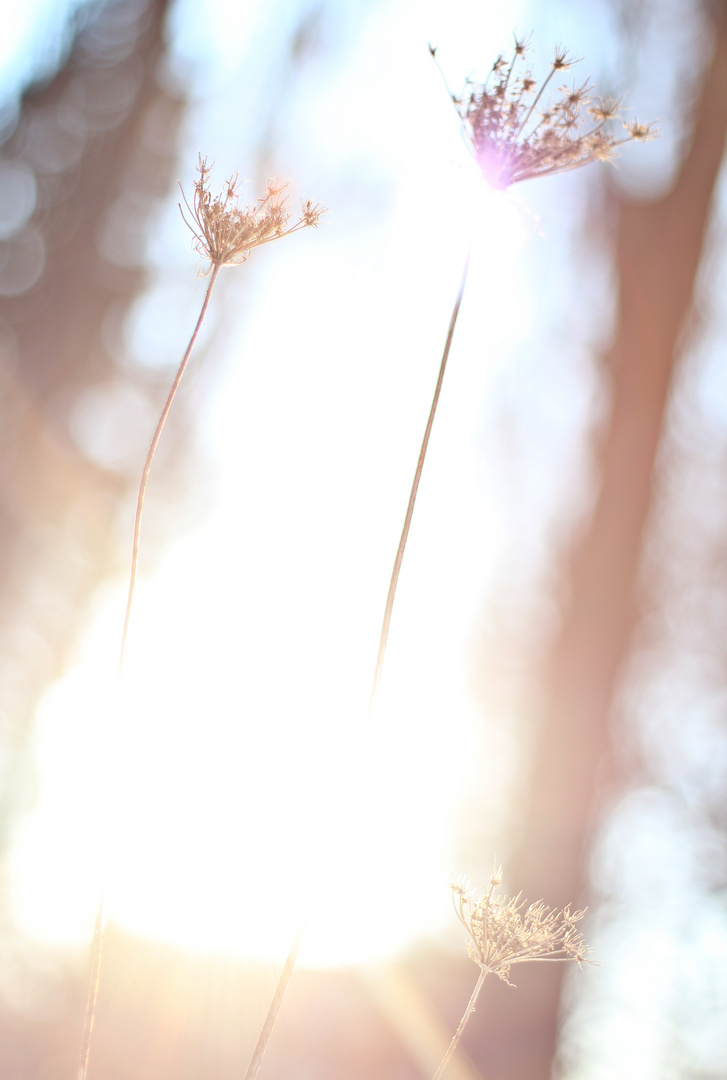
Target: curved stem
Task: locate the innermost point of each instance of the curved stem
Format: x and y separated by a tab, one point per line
462	1025
414	489
150	457
98	934
272	1015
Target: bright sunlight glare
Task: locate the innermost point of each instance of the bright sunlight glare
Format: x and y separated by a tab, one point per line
214	823
231	788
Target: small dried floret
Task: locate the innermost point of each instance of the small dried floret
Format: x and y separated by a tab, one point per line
575	97
640	132
606	109
561	61
225	232
310	213
512	141
503	931
601	146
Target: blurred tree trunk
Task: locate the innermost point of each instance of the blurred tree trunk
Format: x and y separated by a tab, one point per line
94	145
658	249
91	146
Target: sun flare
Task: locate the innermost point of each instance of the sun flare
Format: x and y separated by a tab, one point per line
222	820
230	790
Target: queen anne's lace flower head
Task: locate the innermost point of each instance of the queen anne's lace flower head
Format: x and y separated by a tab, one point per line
503	931
515	134
225	232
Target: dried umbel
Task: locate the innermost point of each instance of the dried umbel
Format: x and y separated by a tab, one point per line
516	135
225	232
505	931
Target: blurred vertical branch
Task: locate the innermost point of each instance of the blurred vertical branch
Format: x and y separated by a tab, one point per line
84	143
88	153
658	248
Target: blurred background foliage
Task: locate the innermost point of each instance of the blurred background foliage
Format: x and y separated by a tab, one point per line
556	683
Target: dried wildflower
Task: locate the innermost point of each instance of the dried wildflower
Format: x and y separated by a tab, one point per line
504	931
225	233
513	139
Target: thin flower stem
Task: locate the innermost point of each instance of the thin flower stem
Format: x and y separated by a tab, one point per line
534	102
414	489
286	974
150	457
99	930
267	1029
97	951
462	1025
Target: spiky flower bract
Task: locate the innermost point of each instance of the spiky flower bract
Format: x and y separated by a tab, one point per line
225	232
515	135
503	931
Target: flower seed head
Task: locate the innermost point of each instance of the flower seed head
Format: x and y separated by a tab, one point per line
503	931
514	135
225	232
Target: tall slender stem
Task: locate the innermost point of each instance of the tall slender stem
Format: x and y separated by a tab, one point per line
97	951
272	1015
462	1025
150	457
414	489
99	929
286	974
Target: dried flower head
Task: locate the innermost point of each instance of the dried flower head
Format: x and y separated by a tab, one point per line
505	931
225	232
514	138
